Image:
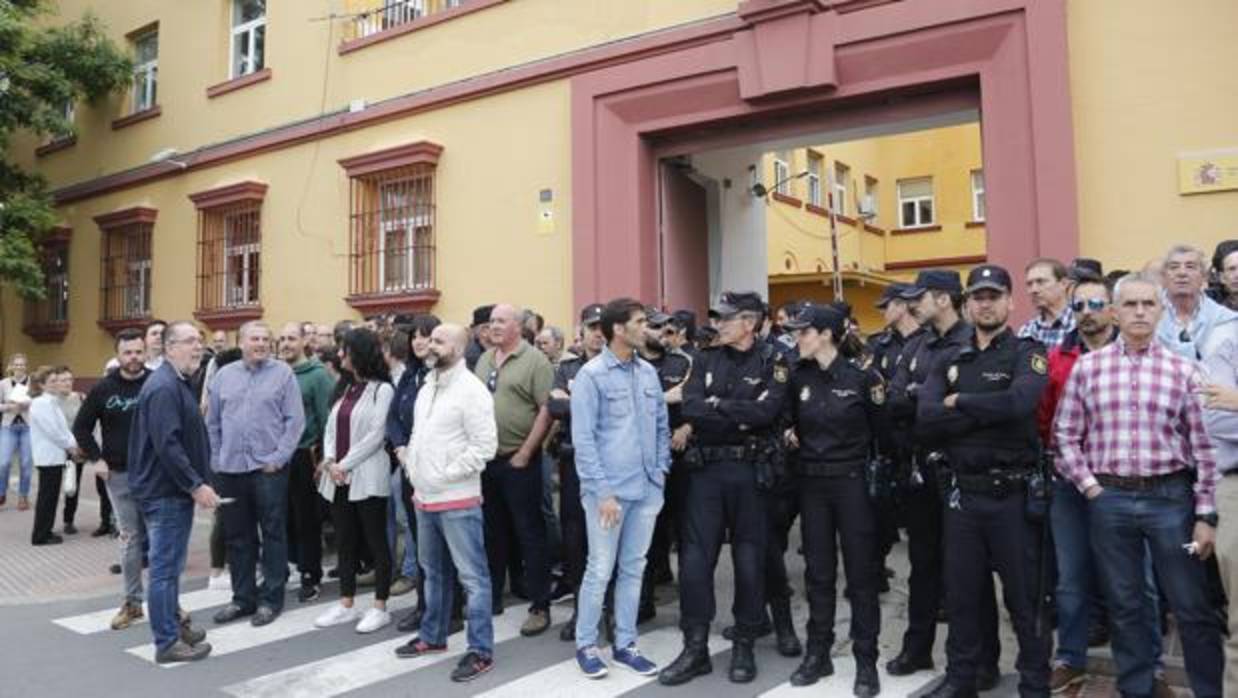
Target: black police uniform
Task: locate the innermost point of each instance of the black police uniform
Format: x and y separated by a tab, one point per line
837	413
991	442
886	348
732	397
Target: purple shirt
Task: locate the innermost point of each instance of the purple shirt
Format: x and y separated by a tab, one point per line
254	416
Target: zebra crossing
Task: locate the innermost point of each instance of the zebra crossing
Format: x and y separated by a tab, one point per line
290	658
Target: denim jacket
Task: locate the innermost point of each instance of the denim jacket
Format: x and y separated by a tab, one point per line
619	428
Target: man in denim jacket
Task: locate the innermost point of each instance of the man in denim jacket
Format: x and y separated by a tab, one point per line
622	439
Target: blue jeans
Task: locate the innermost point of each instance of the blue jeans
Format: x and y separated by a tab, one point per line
15	438
261	501
626	543
1125	527
451	544
168	523
397	525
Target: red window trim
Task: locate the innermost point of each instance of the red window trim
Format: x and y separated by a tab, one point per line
235	84
247	191
937	262
873	229
974	224
137	117
918	229
113	327
421	152
788	200
350	45
419	301
128	216
228	318
818	210
55	146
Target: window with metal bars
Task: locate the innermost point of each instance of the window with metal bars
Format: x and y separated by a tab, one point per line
229	254
392	231
125	277
52	311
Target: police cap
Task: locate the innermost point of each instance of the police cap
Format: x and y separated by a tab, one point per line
892	292
591	314
934	280
733	303
989	276
819	317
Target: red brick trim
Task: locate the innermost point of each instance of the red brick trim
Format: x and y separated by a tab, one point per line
846	219
137	117
403	302
128	216
228	318
229	194
919	229
421	152
47	334
974	224
55	146
788	200
818	210
937	262
351	45
114	326
235	84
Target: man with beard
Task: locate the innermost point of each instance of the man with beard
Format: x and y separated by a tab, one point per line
978	405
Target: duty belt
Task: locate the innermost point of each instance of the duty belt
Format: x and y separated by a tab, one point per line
724	452
826	469
997	483
1139	484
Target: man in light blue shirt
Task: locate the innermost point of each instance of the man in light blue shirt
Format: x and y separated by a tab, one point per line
254	419
1190	316
622	440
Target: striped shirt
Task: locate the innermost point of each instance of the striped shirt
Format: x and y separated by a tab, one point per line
1134	414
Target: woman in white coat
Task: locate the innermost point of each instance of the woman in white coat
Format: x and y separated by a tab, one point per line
355	477
52	445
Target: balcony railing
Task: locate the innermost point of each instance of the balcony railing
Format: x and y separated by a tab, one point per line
389	14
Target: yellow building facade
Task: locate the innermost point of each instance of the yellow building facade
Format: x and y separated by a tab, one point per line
330	158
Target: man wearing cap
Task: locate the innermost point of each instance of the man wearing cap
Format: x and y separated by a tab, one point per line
571	513
978	405
480	342
673	367
1048	284
732	400
936	301
685	338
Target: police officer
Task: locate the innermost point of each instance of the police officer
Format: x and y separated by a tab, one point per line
733	401
978	404
936	300
837	416
673	367
571	512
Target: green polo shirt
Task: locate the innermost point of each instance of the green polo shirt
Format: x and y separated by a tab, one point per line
521	386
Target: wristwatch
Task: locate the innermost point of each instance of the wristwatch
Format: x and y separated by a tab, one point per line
1210	519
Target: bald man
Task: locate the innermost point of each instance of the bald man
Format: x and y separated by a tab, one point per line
447	453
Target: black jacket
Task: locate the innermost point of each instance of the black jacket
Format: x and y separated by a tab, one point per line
169	453
111	404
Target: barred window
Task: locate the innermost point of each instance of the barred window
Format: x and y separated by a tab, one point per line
392	222
229	246
47	319
125	274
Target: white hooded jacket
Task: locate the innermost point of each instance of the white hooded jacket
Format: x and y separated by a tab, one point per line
454	435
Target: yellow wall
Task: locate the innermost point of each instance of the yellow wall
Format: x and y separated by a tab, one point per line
1149	80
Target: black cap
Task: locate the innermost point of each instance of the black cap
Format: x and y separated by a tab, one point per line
892	292
687	321
819	317
734	302
934	280
481	314
656	317
843	307
989	276
591	314
1085	267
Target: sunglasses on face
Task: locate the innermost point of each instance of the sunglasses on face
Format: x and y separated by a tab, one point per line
1092	304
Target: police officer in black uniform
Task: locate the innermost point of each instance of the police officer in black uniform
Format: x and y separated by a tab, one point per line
673	367
978	405
571	512
936	300
733	400
837	416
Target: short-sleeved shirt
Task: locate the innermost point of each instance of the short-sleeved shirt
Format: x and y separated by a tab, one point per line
520	387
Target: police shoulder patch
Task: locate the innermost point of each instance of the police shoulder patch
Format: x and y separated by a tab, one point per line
952	374
912	367
1040	364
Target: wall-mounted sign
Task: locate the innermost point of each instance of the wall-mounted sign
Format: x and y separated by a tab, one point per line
1208	171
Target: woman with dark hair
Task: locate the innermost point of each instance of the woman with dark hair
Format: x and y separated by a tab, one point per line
836	413
355	477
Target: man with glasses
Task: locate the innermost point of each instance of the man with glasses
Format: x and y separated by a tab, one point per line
732	400
1190	316
1048	284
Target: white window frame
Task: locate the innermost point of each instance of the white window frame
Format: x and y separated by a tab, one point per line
244	293
871	193
782	176
397	12
408	224
246	32
916	200
840	187
815	163
978	201
146	74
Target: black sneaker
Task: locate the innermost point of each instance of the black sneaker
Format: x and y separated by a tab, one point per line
70	529
417	647
307	593
471	666
114	568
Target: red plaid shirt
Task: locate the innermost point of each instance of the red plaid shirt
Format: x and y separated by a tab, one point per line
1134	414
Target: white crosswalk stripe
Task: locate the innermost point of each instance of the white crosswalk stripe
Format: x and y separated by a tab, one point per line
840	683
98	621
350	671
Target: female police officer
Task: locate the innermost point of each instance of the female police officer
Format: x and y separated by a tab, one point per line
836	415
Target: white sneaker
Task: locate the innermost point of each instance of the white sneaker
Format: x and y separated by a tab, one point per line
337	615
220	582
375	619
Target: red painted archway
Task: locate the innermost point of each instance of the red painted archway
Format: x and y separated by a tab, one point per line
781	66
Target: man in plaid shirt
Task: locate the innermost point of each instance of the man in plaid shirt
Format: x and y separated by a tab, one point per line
1130	435
1048	285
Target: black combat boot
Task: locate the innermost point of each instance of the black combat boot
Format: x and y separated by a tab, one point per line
788	643
816	665
867	685
692	662
743	663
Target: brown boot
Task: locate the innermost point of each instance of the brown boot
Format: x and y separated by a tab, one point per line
128	613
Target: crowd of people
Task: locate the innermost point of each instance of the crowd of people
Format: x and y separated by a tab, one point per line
1089	458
